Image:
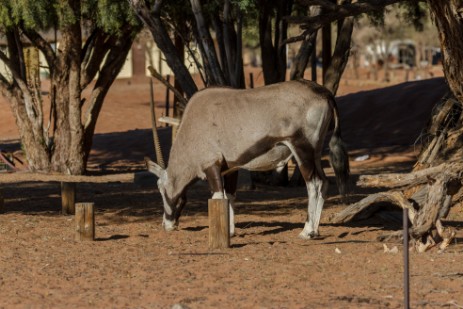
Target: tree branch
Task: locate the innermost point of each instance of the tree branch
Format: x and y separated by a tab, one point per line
354	210
112	66
204	38
15	50
311	24
95	49
397	180
160	35
325	5
21	84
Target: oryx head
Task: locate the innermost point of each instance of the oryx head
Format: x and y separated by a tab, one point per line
173	203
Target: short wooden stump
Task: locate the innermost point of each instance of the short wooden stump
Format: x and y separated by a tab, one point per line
85	221
219	224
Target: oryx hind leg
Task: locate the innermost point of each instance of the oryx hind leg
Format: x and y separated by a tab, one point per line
317	189
315	180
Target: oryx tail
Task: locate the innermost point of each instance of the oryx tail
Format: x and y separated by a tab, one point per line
338	154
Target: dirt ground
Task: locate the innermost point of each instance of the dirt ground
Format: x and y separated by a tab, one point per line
135	264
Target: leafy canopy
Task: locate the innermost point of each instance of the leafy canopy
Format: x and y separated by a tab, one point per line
109	15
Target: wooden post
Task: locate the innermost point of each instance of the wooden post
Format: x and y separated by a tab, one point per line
1	203
313	62
68	198
326	50
251	80
85	221
167	97
219	224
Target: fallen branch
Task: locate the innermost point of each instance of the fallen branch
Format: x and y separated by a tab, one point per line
394	197
398	180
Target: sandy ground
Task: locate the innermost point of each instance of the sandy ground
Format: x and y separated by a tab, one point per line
135	264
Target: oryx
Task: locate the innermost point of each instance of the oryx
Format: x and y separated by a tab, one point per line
224	129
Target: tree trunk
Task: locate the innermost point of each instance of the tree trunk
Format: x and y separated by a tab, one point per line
152	19
273	49
447	17
203	37
338	61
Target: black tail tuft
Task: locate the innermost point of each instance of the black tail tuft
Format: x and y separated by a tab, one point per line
339	160
338	154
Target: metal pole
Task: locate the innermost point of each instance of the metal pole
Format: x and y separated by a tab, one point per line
167	97
251	80
406	261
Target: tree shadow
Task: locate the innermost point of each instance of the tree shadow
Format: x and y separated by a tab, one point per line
112	237
276	226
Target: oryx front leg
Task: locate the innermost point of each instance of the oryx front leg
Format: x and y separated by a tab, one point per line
316	190
169	224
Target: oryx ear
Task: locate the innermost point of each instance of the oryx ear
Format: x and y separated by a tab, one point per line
153	167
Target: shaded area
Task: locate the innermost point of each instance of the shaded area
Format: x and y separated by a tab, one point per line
389	116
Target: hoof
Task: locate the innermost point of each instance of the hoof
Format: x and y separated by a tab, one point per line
311	235
171	229
169	226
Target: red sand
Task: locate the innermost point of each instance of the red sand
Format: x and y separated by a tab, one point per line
135	264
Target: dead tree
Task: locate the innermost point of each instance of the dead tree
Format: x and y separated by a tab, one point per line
435	184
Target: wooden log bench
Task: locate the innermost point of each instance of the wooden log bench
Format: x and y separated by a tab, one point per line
68	184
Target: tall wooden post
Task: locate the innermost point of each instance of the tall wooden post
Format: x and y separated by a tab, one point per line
313	62
219	224
68	198
1	203
167	98
326	50
85	221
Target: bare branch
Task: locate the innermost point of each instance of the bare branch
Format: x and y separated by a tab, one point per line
397	180
21	84
324	4
354	210
96	48
312	23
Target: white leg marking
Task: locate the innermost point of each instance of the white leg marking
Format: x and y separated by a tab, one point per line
316	191
218	196
231	202
307	232
168	225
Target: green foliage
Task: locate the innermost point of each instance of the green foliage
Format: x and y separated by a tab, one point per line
109	15
244	5
408	12
414	13
32	14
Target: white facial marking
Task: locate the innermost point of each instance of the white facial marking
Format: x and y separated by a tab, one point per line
162	189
